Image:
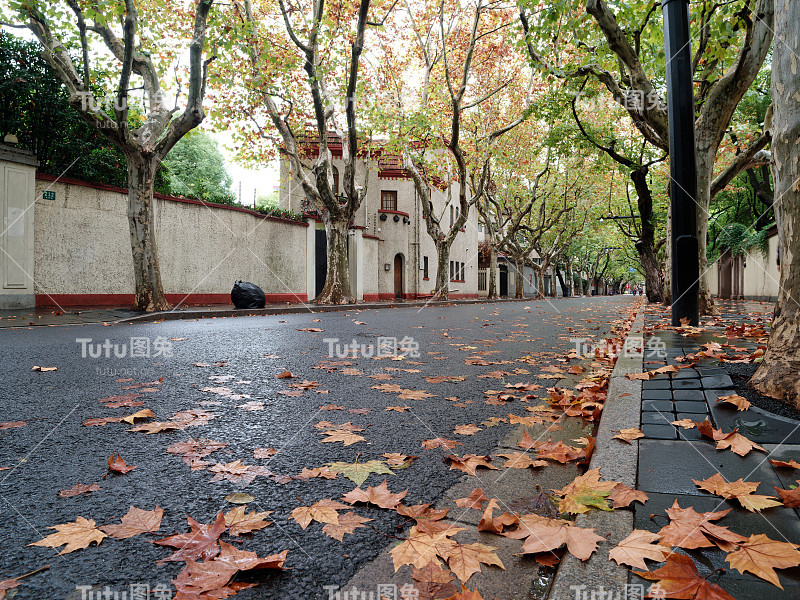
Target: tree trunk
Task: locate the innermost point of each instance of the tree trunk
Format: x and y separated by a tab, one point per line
492	272
668	262
539	271
519	292
562	283
141	221
705	168
337	276
442	290
777	375
570	279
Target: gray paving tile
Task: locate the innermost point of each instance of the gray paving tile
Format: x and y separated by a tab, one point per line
657	405
659	432
656	384
690	406
657	418
688	395
657	395
716	382
685	374
669	466
686	384
759	425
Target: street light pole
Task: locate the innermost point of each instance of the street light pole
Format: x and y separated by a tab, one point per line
683	168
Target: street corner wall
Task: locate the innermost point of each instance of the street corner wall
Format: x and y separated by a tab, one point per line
761	275
204	249
371	266
82	252
81	242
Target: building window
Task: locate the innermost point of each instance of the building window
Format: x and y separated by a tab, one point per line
389	200
425	267
463	273
335	181
482	286
452	270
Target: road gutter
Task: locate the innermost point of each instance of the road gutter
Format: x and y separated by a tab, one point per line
617	461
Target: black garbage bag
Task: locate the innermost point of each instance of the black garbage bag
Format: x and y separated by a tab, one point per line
247	295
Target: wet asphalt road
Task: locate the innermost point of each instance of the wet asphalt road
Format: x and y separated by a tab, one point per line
53	450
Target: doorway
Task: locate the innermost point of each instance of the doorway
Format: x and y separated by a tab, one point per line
503	280
398	276
321	260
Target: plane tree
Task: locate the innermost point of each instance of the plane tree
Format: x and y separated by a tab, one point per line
114	59
620	46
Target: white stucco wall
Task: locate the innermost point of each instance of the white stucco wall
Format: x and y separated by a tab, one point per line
82	246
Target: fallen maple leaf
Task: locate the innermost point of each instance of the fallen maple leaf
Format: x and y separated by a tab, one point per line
494	524
264	452
761	556
585	491
622	496
348	523
118	465
679	578
474	500
199	543
348	438
238	522
397	460
236	472
690	529
134	522
740	402
520	460
465	559
379	496
792	464
743	491
433	581
419	549
79	488
470	429
790	498
75	535
321	472
324	511
284	375
469	463
358	472
542	534
438	442
636	547
142	414
629	434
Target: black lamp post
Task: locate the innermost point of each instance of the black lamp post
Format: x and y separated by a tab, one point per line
683	169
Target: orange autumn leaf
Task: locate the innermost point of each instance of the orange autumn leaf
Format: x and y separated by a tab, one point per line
136	521
689	529
629	434
740	402
761	556
76	535
379	496
639	545
679	578
790	498
238	522
743	491
118	465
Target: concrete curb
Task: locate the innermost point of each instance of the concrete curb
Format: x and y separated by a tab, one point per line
617	461
173	315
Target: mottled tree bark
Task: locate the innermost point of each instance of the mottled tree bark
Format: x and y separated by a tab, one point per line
777	376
